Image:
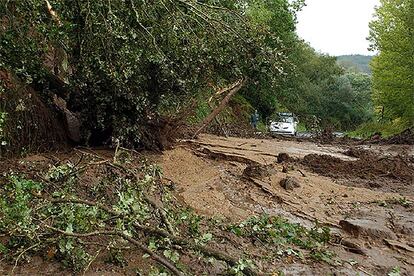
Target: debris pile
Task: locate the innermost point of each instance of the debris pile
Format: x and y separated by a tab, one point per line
368	166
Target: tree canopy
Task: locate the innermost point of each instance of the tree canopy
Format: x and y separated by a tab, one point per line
118	61
392	35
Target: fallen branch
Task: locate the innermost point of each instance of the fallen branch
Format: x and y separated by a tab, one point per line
91	261
232	90
156	232
218	122
153	255
187	243
21	254
162	213
303	175
53	13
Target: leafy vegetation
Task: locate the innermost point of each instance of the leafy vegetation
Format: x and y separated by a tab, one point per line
391	34
285	236
116	63
386	129
122	68
321	88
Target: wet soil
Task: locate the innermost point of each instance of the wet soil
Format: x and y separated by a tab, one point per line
369	188
365	194
391	173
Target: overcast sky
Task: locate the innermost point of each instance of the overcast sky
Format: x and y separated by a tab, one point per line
337	27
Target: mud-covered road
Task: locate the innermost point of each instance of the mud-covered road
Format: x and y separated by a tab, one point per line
364	193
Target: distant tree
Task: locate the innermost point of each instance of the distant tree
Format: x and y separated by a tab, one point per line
392	35
355	63
320	87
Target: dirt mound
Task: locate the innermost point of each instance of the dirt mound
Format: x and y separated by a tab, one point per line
30	124
239	130
289	183
283	157
357	152
404	138
368	166
256	171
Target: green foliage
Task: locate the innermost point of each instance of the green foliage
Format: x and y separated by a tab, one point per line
172	255
262	127
348	103
57	215
191	220
396	271
319	87
403	201
121	61
116	257
241	266
392	34
19	197
64	173
275	18
386	129
73	254
278	231
202	110
130	202
15	202
322	256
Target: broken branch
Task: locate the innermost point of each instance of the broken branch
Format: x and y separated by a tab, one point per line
232	90
153	255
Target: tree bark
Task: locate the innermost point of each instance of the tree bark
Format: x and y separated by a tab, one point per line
232	90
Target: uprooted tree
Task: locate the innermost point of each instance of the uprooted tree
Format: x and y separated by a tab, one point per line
118	64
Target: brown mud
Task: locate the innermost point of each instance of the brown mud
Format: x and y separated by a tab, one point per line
364	193
392	173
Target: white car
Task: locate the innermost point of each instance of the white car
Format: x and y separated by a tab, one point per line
285	123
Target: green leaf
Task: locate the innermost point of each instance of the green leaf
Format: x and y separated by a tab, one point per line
69	228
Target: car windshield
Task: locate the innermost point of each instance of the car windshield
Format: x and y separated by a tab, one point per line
286	119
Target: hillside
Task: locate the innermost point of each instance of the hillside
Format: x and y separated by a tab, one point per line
355	62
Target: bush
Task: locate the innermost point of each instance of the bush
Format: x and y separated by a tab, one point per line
386	129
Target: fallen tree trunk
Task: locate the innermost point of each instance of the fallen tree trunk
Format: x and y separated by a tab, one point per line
232	90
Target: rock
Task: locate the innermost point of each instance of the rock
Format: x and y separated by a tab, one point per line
72	121
73	124
283	157
399	245
289	183
366	228
256	171
353	247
